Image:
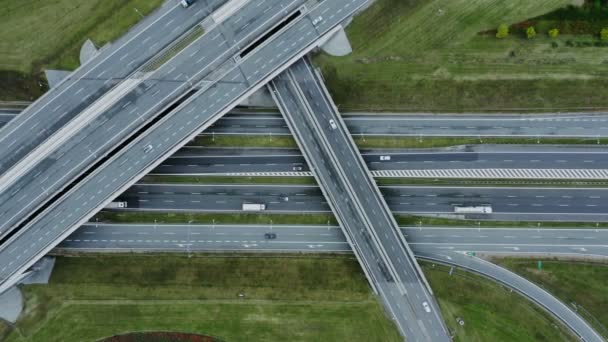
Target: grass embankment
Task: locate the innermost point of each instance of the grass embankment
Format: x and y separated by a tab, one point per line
40	34
385	142
481	304
429	55
295	298
575	283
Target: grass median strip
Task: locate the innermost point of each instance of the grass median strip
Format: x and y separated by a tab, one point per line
493	182
423	221
320	298
388	141
213	218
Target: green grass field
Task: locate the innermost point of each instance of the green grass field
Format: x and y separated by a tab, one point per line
573	282
40	34
428	55
287	298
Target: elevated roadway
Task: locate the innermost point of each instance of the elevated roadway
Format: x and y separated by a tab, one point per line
114	63
246	70
357	204
200	63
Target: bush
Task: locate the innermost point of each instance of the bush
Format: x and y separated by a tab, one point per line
530	32
553	33
503	31
604	34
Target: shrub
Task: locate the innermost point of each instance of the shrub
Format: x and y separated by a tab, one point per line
530	32
553	33
503	31
604	34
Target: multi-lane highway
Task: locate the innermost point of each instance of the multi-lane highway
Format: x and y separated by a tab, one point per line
356	202
218	237
445	245
417	125
512	203
201	160
242	71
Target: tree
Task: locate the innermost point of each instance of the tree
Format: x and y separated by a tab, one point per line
530	32
503	31
553	33
604	34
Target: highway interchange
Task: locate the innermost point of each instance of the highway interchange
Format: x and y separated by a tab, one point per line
178	72
235	80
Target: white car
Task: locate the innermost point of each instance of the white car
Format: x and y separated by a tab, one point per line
332	124
385	158
317	20
297	168
148	148
186	3
426	306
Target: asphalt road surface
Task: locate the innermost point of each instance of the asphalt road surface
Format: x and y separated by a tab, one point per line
416	125
202	160
88	83
509	203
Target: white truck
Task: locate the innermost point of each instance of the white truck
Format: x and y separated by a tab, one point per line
254	207
483	209
115	205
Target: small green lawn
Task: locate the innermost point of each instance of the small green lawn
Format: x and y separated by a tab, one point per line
39	34
286	298
429	56
583	284
490	311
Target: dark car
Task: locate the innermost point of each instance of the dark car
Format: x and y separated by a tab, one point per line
270	236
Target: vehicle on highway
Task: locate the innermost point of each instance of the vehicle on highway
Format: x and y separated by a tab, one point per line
114	205
385	158
284	198
317	20
484	209
186	3
148	148
297	168
254	207
426	306
332	124
270	236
